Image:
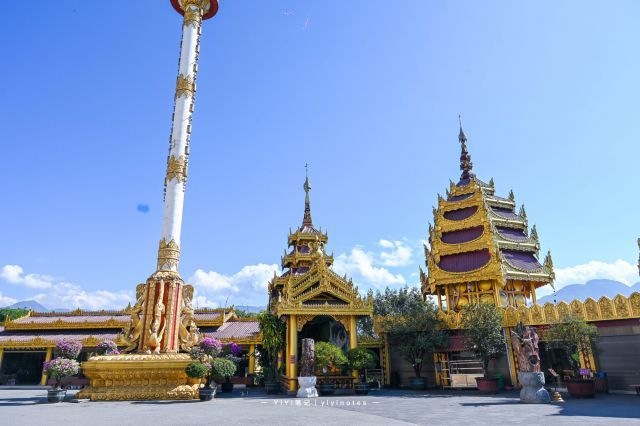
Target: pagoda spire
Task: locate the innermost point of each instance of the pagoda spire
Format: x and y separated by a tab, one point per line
306	220
465	159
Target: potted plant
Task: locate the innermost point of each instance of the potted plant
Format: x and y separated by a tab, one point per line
573	334
482	324
63	365
108	347
415	332
59	368
230	351
359	360
224	368
328	356
201	368
273	342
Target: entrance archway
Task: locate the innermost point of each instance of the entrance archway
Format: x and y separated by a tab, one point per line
325	328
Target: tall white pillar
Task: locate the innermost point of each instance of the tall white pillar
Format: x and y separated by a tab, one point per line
178	159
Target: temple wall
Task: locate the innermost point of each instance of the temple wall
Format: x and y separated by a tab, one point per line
401	370
619	353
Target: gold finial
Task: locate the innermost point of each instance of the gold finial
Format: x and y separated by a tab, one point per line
465	159
307	205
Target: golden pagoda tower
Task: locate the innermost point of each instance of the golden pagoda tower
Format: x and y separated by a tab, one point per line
309	291
480	249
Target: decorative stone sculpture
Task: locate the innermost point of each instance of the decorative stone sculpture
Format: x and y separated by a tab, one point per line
525	346
306	380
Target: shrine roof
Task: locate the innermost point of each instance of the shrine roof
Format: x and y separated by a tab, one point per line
72	319
52	336
512	234
460	214
505	213
465	262
521	260
459	197
462	235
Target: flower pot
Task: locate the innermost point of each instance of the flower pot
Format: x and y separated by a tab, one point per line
272	388
56	395
418	383
206	394
226	387
361	388
533	391
487	385
581	388
326	389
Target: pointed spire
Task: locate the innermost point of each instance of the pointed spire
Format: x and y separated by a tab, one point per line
512	196
548	262
534	233
307	207
465	159
523	213
491	184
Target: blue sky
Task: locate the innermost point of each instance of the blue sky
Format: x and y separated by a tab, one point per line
368	93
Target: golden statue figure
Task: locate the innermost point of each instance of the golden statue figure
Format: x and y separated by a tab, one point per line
188	332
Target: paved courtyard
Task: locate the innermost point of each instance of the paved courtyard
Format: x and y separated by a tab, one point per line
385	407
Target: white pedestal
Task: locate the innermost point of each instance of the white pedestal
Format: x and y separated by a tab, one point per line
307	387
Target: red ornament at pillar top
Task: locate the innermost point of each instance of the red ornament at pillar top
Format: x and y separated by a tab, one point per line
213	8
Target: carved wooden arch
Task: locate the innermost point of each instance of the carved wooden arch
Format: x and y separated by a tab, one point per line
302	320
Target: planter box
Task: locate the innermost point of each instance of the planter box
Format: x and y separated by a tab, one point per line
578	388
487	385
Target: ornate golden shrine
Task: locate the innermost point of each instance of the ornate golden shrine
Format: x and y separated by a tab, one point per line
480	249
310	288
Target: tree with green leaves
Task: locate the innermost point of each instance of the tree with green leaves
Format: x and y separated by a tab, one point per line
273	332
12	313
573	334
402	301
482	325
328	355
415	332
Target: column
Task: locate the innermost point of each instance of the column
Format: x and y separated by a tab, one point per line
175	179
533	293
510	358
353	332
292	360
252	358
1	357
43	380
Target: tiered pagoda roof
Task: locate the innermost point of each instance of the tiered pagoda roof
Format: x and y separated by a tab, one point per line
308	284
478	235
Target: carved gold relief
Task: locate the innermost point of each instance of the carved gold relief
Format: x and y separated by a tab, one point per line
185	85
176	168
168	255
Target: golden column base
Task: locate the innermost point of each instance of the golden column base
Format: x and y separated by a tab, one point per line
138	377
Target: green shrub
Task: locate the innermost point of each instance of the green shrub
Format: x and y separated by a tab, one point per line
328	355
224	367
197	370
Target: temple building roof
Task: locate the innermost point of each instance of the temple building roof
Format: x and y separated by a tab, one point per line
42	329
478	235
307	283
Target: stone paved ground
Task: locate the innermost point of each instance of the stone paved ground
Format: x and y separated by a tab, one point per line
386	407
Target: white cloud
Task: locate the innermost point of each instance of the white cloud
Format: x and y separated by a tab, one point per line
246	287
59	294
619	270
360	266
14	275
400	254
6	301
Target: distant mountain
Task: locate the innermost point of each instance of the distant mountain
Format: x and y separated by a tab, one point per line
28	304
252	309
594	289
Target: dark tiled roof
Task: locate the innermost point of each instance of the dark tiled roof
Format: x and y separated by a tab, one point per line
459	197
28	335
237	329
505	213
465	262
462	236
74	319
461	214
521	260
512	234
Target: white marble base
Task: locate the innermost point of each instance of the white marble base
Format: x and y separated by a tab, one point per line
307	387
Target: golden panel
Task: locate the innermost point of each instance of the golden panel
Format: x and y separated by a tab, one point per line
592	309
168	254
563	309
634	302
606	308
621	304
576	308
537	314
185	85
